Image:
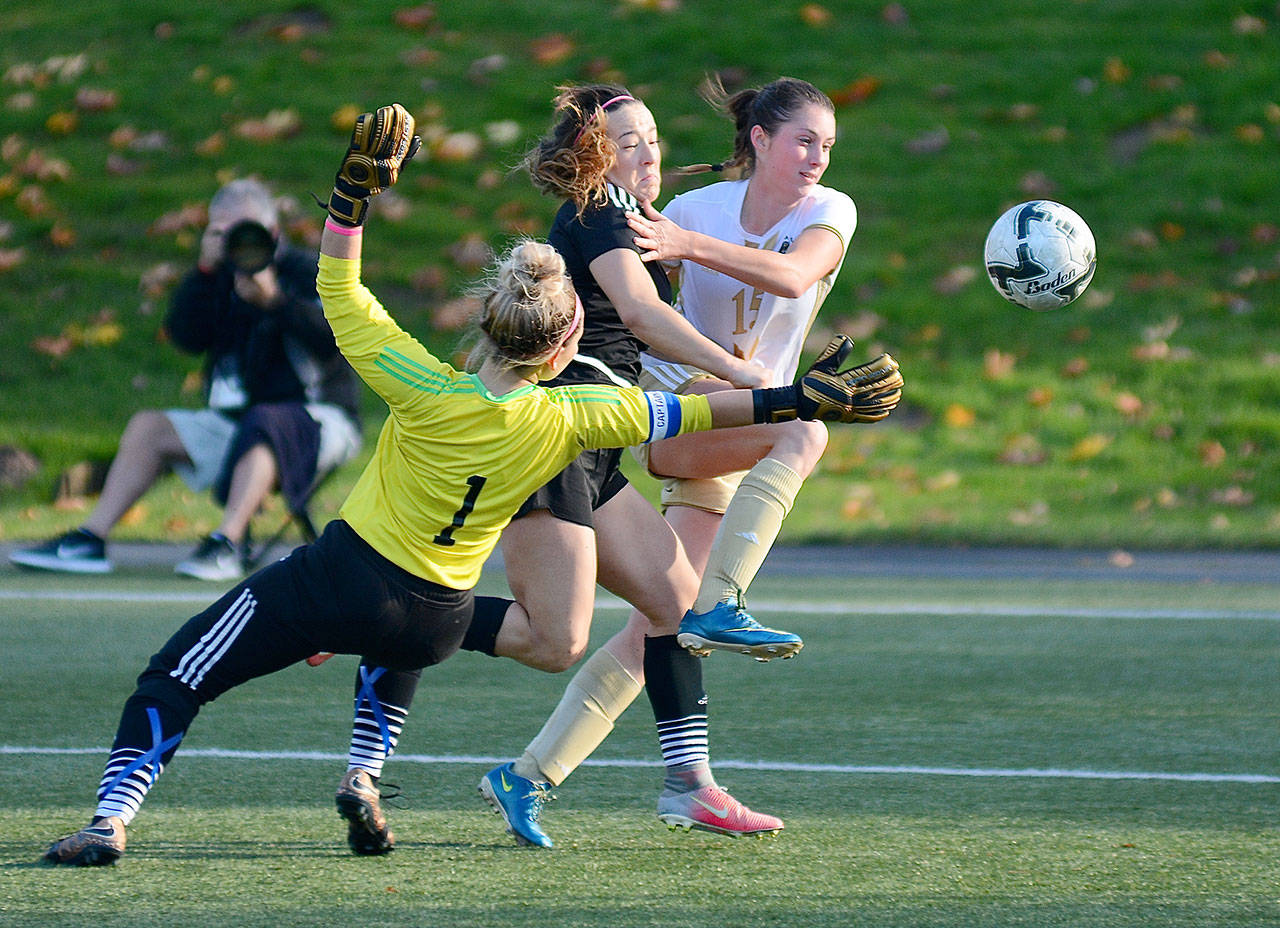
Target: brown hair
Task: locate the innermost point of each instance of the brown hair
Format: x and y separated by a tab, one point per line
571	160
527	305
767	107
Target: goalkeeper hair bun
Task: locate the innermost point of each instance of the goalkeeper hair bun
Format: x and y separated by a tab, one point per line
527	305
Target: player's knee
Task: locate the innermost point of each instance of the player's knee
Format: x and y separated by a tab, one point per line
805	442
557	656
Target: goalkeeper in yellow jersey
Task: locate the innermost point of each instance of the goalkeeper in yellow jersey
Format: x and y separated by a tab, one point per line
391	579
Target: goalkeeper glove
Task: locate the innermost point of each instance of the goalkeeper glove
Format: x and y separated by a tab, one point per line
380	145
866	393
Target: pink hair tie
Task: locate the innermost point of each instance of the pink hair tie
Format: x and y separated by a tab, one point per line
342	230
620	98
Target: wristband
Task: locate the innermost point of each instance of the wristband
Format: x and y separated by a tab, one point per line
333	226
776	404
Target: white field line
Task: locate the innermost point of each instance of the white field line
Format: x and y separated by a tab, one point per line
806	607
768	766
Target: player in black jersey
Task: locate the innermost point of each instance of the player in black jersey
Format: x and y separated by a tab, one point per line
589	524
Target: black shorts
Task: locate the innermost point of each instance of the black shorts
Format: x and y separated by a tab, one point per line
336	594
591	480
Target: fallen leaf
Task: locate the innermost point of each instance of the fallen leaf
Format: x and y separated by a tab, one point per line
895	14
1116	71
814	14
1089	447
452	315
1212	454
959	417
1232	496
213	145
343	119
62	123
1037	513
31	201
857	91
190	216
930	142
946	480
471	252
276	125
955	280
1022	450
997	364
502	132
551	49
54	346
62	235
157	280
457	147
1128	405
416	17
96	100
1076	367
1244	24
1040	397
120	166
11	258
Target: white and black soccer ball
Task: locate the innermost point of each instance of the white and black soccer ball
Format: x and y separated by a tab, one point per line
1040	255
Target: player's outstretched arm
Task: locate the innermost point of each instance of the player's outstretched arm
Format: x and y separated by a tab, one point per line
381	143
866	393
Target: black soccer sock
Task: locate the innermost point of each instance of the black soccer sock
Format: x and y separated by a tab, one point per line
673	680
486	622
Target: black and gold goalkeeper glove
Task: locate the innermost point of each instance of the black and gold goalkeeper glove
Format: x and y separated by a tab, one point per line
866	393
380	145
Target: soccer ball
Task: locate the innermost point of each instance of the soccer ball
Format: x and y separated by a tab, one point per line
1040	255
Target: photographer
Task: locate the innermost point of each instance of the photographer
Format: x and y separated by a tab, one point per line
281	400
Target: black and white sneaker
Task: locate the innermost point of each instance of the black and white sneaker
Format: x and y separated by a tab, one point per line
214	559
77	552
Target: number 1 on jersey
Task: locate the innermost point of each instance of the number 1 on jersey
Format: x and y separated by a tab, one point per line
474	486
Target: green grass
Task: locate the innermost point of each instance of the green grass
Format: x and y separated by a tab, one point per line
1129	112
1072	676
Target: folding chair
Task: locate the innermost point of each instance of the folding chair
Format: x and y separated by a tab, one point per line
252	556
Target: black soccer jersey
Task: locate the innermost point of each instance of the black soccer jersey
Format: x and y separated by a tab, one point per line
580	240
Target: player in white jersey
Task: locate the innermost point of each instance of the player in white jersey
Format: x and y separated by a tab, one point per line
756	259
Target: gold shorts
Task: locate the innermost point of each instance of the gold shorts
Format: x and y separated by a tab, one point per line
709	493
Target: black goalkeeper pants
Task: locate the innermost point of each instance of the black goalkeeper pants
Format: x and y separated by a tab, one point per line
336	594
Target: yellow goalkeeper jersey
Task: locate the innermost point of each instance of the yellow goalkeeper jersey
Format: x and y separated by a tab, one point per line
454	462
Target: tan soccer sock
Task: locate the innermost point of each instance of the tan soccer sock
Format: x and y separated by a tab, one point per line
747	532
595	697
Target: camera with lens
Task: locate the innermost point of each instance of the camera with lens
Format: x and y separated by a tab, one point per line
249	247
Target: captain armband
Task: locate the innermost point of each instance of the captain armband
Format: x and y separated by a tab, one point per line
665	415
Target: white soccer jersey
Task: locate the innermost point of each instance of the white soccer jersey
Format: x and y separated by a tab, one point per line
741	319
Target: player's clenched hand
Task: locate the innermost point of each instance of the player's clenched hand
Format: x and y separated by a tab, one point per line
866	393
381	143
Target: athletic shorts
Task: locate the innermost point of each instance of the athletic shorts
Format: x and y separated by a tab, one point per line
206	436
709	493
591	480
337	594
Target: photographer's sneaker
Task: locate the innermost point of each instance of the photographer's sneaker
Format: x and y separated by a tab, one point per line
215	559
712	809
727	627
519	801
360	802
77	552
99	843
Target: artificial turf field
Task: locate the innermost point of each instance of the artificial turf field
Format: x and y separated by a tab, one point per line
946	751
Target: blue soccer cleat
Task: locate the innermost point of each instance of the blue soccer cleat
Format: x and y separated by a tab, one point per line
519	801
727	627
